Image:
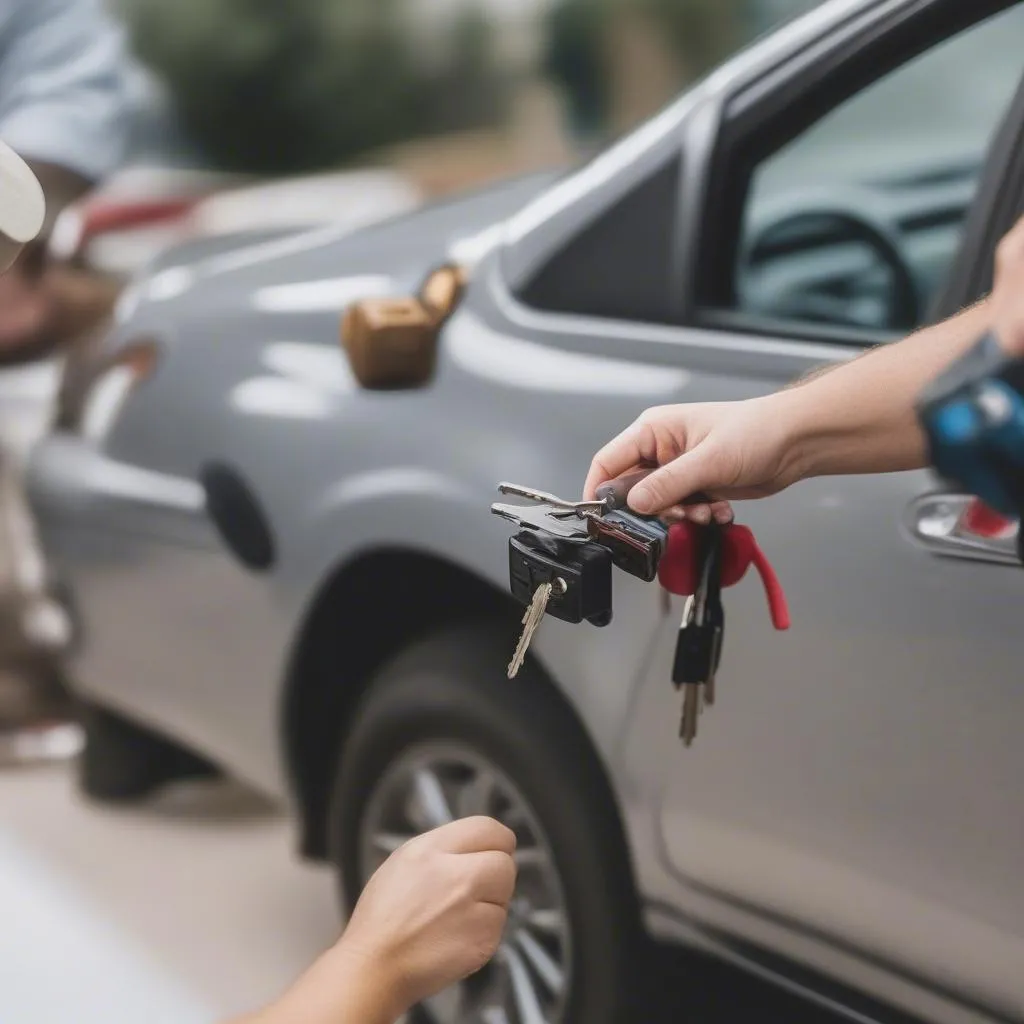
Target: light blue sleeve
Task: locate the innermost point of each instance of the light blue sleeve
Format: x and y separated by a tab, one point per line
63	85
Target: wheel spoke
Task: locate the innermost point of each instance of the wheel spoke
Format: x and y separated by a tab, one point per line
545	966
550	922
430	807
523	992
495	1015
529	857
475	797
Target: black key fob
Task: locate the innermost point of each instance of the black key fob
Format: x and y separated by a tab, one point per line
585	570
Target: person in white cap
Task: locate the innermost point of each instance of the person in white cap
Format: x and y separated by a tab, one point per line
433	913
63	109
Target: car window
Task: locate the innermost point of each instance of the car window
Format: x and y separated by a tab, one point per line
857	221
619	266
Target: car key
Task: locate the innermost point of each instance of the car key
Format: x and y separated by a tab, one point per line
569	581
699	645
716	616
636	543
531	622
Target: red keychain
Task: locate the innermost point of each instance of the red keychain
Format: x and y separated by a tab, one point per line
680	565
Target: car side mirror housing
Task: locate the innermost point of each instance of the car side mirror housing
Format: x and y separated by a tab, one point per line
391	343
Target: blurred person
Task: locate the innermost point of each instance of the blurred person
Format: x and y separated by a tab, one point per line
432	915
63	107
859	417
63	102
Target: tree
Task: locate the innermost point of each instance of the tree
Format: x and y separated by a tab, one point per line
700	33
279	86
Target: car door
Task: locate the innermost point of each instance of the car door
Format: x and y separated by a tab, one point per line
853	799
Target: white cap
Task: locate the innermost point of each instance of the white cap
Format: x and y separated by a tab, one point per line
22	205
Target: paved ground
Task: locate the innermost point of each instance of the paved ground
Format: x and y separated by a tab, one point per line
189	911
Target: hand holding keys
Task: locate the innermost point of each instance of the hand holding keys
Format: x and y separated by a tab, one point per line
560	564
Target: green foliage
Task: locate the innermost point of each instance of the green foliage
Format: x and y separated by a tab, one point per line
575	60
700	32
280	86
703	32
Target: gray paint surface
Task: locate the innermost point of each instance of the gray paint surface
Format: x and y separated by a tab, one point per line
852	804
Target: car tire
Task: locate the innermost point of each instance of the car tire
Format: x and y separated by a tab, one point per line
451	689
123	762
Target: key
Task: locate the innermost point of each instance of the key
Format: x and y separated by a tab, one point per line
532	620
571	582
699	645
584	569
544	520
544	498
636	542
715	608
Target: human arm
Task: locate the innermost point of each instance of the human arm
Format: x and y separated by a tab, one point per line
857	418
432	915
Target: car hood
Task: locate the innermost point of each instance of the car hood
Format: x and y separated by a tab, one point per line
392	253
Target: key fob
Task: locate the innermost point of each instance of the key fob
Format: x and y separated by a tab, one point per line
636	543
586	570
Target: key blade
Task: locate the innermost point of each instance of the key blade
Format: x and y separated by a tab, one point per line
531	622
691	709
530	494
539	518
579	508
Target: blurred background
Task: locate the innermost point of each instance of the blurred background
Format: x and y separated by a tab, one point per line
450	92
266	113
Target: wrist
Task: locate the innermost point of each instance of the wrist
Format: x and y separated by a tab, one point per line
374	995
798	439
342	987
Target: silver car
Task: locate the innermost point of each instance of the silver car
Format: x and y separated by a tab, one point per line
284	566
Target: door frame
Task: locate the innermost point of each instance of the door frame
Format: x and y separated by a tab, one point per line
766	112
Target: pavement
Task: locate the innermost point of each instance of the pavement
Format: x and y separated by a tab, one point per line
193	909
188	910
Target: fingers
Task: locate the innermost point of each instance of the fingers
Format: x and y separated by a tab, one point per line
474	835
666	487
720	512
632	449
494	877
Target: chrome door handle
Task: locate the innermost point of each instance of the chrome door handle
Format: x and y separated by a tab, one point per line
941	524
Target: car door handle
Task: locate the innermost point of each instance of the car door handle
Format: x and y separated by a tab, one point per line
960	526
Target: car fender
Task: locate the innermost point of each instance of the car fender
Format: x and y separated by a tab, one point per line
427	512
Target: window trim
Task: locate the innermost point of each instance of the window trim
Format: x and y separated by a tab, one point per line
749	132
998	205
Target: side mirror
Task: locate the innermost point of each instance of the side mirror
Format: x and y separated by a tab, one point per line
22	206
392	343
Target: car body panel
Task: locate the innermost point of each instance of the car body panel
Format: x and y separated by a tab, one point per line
850	804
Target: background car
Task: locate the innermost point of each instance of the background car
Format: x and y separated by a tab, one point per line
284	567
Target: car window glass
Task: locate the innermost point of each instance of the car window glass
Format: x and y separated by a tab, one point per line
619	266
857	221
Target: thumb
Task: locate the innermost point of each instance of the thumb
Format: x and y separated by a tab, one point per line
674	483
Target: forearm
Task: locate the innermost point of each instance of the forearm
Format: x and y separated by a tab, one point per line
337	989
860	417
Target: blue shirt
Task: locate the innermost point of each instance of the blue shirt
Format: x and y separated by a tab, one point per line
63	87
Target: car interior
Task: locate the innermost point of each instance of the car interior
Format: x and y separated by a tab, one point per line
856	222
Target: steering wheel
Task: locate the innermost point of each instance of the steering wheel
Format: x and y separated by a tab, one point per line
832	215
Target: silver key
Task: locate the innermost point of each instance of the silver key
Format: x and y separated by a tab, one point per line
532	620
544	498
